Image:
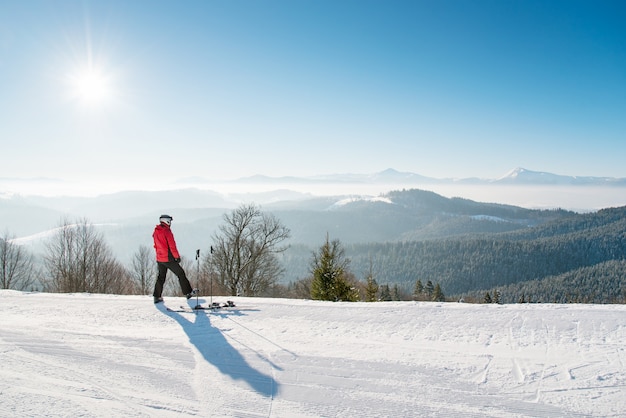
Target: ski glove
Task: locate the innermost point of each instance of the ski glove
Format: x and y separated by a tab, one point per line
177	260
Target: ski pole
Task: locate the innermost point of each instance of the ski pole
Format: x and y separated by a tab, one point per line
211	278
198	277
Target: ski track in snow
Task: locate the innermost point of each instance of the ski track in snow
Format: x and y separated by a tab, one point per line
105	355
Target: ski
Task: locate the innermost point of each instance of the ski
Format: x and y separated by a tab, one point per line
215	306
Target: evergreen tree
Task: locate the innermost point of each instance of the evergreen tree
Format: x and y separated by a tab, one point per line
371	290
385	293
395	295
329	274
345	290
487	298
429	289
418	290
496	296
438	295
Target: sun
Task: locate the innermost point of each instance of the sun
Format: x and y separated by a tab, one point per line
91	86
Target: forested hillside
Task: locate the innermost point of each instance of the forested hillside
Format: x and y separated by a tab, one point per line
581	245
601	283
546	256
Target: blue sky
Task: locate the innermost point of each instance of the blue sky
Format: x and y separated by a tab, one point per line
159	90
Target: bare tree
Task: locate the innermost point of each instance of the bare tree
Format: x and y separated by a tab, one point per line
143	269
78	260
16	265
300	289
246	248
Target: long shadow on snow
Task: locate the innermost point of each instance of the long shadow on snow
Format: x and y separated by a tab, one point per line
216	349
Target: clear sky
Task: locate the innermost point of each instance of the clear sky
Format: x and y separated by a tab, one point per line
222	89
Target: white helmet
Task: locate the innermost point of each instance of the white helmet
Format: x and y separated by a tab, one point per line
166	219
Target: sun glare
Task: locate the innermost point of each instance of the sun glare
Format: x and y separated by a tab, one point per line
90	86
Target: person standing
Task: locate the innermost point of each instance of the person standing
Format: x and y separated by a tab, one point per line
168	258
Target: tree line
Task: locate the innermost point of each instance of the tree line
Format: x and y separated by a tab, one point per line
578	255
331	279
576	259
242	261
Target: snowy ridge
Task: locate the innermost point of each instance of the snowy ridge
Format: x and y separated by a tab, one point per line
44	235
489	218
354	199
521	175
105	355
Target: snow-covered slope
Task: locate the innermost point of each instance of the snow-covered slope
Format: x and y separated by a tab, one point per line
103	356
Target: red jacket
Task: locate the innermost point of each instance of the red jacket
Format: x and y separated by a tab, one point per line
164	243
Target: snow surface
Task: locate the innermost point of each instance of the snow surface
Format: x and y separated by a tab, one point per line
104	355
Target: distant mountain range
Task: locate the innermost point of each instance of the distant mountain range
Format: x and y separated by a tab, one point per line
518	175
389	177
192	198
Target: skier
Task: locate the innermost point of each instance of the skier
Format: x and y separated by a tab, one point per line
167	257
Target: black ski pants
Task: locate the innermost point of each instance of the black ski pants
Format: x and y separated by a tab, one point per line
185	286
